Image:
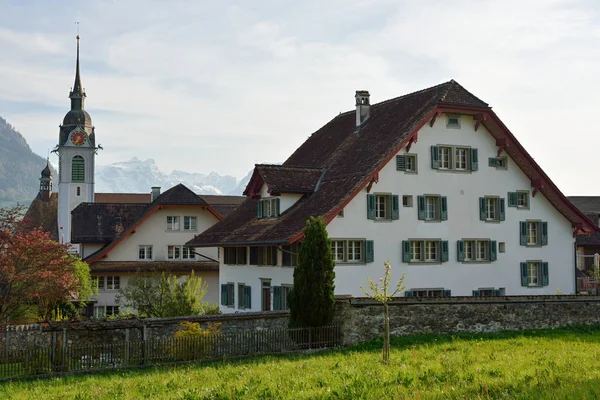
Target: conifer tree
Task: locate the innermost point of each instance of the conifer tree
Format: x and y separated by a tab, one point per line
311	300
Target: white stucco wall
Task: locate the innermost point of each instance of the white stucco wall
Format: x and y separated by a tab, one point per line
90	248
463	190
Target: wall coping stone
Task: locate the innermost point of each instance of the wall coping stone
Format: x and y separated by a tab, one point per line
399	301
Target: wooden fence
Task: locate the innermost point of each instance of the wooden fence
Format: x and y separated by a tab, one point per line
65	358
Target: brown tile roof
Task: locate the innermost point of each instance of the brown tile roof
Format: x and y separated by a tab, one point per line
213	199
103	222
284	179
586	203
134	266
44	214
353	156
123	198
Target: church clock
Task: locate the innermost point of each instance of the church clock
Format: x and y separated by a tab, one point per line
78	138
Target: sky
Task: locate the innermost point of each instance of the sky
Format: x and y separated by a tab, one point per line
203	86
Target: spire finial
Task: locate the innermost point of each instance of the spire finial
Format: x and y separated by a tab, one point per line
77	94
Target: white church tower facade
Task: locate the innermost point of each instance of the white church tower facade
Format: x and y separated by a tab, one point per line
76	153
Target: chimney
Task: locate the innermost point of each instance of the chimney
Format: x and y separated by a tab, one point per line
363	108
155	192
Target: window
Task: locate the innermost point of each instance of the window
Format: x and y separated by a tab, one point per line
473	250
268	208
187	253
406	163
534	274
112	310
113	282
519	199
244	296
265	295
99	311
427	293
453	121
174	252
145	252
352	251
501	247
172	223
488	292
534	233
289	255
190	223
383	206
458	158
228	294
263	255
424	250
432	208
78	169
98	282
78	191
498	162
407	201
280	297
491	209
235	255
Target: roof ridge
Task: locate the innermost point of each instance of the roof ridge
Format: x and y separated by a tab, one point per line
453	82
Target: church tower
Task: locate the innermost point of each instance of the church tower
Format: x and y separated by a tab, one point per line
76	152
46	182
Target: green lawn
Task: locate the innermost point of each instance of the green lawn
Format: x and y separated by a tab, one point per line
552	364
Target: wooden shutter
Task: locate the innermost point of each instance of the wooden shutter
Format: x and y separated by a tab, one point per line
401	163
247	297
545	276
224	301
406	250
371	206
512	199
444	208
369	251
395	207
493	251
444	246
523	233
482	208
253	255
524	274
502	214
474	160
435	157
421	207
544	233
493	162
447	293
476	293
260	209
277	207
460	250
276	298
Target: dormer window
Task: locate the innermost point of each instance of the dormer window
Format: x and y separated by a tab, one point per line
453	122
268	208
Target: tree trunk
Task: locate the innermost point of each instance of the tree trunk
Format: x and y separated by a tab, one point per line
386	337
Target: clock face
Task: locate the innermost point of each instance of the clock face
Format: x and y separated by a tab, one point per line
78	138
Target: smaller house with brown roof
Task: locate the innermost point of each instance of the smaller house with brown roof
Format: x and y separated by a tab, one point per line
120	234
432	181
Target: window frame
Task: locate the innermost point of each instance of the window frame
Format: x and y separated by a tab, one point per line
538	238
448	158
452	117
145	247
475	246
175	221
270	207
386	200
290	253
191	227
239	254
537	265
428	292
346	245
422	247
526	195
115	282
407	200
77	169
467	158
176	249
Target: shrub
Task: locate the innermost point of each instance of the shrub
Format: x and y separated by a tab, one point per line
194	343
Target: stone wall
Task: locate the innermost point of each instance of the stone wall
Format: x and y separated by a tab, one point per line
362	319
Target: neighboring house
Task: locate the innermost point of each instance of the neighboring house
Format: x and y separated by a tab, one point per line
588	245
43	210
432	181
118	239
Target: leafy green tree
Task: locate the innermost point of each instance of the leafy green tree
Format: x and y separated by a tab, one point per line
158	294
311	300
382	295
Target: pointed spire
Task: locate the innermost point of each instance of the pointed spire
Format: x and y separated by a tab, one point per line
77	94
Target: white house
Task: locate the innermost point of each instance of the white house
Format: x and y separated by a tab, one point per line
431	181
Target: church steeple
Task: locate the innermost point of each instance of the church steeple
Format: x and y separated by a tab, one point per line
46	182
77	95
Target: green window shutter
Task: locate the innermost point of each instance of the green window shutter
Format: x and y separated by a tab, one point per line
544	233
512	199
408	293
421	207
260	209
435	157
545	277
371	206
523	233
502	213
401	163
277	207
460	250
474	160
276	298
493	162
444	245
476	293
447	293
444	208
395	206
493	252
524	274
496	292
247	297
224	295
482	208
369	251
406	250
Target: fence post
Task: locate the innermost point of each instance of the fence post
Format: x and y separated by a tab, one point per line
64	349
6	345
126	361
53	350
144	343
309	336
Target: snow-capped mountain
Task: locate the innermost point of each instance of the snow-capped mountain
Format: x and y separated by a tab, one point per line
137	176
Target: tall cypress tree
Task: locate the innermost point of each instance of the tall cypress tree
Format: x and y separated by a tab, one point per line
311	300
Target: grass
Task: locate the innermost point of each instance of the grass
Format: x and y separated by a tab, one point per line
552	364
